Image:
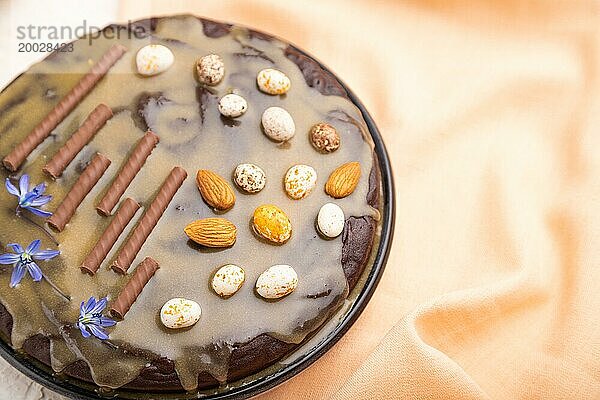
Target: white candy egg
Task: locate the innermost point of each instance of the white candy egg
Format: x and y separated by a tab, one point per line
250	178
228	280
273	81
330	220
278	124
299	181
154	59
180	313
232	105
277	281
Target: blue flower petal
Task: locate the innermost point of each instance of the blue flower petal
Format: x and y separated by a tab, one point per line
9	258
11	188
84	331
17	275
100	306
24	184
97	331
26	199
16	247
45	254
40	213
106	322
89	305
35	271
40	201
33	247
39	189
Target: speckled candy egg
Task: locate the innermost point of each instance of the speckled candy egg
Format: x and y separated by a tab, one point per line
180	313
211	69
299	181
154	59
250	178
324	138
232	105
272	223
278	124
273	81
277	281
330	220
228	280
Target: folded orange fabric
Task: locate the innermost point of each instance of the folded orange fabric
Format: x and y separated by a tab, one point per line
491	114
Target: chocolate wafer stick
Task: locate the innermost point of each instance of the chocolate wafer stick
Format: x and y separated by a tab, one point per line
149	220
16	157
80	138
130	169
144	271
86	181
109	236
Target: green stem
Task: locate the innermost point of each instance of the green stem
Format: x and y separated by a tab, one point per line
67	297
110	344
26	218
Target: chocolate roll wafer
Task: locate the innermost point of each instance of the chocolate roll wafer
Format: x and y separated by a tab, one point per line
142	274
80	138
86	181
16	157
109	236
130	169
149	220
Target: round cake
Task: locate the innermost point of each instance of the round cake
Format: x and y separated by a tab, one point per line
186	202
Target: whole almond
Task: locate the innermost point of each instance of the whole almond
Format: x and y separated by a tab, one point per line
212	232
215	190
343	180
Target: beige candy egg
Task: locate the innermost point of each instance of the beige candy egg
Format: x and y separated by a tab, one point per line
299	181
250	177
180	313
277	281
330	220
211	69
228	280
278	124
232	105
273	81
154	59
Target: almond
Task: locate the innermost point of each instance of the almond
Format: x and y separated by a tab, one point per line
343	180
212	232
215	190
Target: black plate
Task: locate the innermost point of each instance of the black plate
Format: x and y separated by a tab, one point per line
77	389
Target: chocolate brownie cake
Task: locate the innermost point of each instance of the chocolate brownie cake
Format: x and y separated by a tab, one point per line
186	203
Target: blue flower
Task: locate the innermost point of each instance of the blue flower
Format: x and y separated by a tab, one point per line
29	199
91	321
25	260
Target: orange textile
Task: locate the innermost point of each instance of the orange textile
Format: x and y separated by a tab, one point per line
491	114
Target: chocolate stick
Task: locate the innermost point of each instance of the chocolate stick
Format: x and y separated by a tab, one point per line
144	271
130	169
149	220
86	181
109	236
16	157
80	138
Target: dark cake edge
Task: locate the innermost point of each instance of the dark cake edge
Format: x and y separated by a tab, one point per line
264	350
